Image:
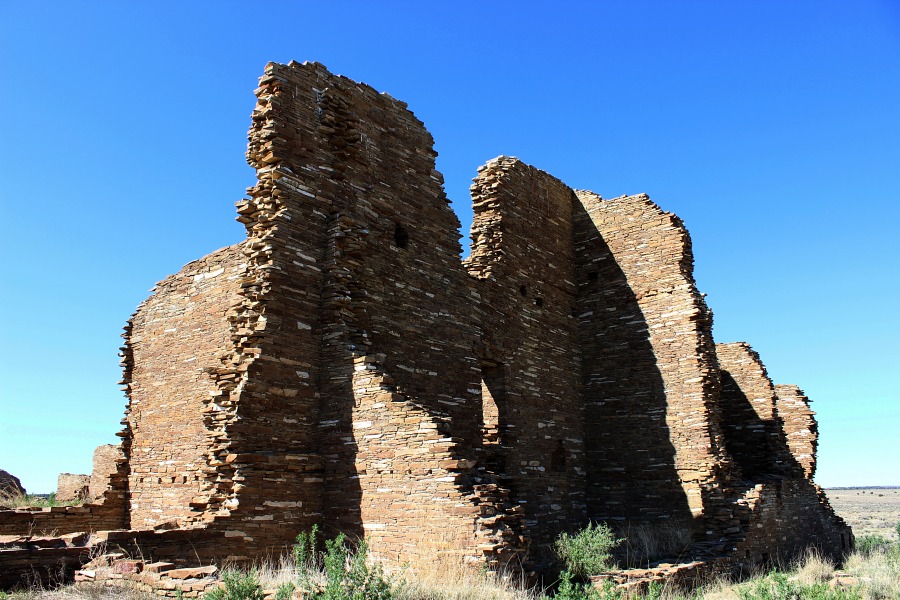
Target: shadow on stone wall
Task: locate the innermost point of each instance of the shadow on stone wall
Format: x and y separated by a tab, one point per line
758	446
632	482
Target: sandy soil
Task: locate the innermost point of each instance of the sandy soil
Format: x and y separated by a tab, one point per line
868	510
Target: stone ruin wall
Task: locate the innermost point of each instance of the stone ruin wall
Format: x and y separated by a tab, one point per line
754	430
342	367
108	510
650	379
106	463
779	507
800	426
174	339
523	263
397	337
72	487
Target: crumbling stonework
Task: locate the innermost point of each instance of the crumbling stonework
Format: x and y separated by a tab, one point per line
72	487
754	430
343	367
107	459
799	426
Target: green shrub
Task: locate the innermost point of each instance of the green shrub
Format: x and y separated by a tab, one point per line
870	544
238	586
285	591
347	576
569	589
305	554
589	551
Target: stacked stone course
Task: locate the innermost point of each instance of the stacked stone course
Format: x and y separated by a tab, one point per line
342	367
649	369
800	426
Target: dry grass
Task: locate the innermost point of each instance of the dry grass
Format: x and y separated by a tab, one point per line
445	577
878	572
870	511
448	579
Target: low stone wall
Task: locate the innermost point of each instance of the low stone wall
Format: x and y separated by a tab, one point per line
29	560
784	519
60	520
157	578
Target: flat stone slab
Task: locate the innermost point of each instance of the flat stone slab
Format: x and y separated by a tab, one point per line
192	572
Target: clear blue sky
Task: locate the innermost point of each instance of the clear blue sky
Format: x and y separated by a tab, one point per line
771	128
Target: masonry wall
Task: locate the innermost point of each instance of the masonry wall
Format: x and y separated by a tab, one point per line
800	426
785	518
108	511
754	431
71	486
649	377
523	261
107	462
173	341
398	379
342	367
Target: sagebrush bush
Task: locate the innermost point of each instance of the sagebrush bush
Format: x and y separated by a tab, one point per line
344	571
237	586
589	551
869	544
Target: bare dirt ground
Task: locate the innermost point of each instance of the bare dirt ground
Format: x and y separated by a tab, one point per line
869	511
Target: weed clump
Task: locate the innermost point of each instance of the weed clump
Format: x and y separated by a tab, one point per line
338	573
237	586
585	553
589	551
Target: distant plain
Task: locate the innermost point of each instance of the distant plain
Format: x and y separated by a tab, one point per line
869	511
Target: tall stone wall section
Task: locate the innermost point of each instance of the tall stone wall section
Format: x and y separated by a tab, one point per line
800	426
770	431
172	342
398	376
523	261
649	376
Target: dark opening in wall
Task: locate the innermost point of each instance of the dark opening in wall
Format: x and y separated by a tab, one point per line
538	301
593	275
494	415
523	290
558	458
401	237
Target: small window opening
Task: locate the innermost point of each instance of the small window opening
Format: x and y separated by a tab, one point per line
523	290
593	275
401	237
538	302
558	458
493	402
